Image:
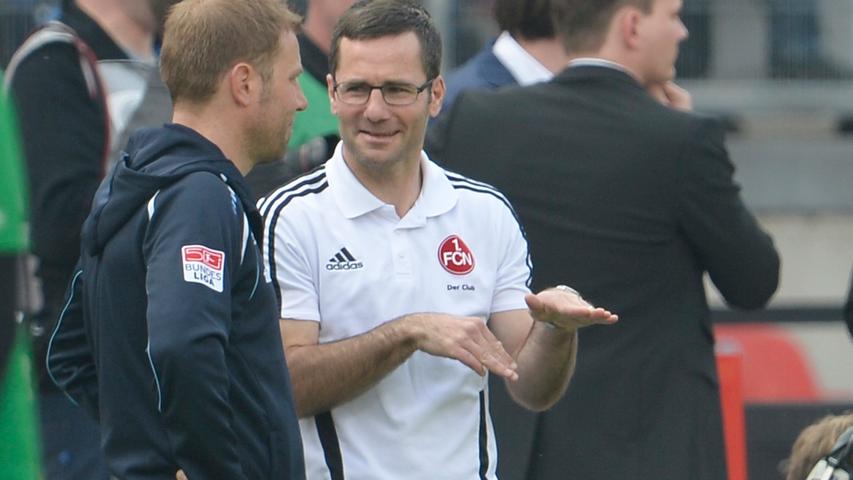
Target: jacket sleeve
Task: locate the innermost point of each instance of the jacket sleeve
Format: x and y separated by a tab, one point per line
191	250
737	253
70	361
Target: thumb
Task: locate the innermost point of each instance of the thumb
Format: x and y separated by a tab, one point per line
533	301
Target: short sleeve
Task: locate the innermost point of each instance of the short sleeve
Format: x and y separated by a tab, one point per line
514	268
287	253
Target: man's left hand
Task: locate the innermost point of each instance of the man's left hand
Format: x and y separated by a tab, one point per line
566	309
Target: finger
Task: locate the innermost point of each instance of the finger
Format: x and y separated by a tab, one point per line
678	97
658	92
492	355
493	347
608	318
470	360
499	367
533	301
600	315
559	309
181	475
497	360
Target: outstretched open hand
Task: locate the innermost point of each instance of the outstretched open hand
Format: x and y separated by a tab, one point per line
566	309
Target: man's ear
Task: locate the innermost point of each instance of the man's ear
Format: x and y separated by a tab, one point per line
438	90
243	82
629	22
330	88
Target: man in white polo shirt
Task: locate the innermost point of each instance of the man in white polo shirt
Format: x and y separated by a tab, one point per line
401	285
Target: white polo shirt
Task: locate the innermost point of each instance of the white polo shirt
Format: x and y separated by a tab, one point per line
339	256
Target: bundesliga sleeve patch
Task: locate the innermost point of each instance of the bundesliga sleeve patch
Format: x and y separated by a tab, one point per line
203	265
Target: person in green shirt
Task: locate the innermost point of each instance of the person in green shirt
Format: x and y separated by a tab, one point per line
19	457
315	129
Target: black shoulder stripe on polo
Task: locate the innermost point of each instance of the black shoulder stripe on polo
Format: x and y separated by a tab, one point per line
489	191
456	177
271	220
316	175
331	445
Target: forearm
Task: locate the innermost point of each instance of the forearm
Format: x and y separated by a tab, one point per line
326	375
546	362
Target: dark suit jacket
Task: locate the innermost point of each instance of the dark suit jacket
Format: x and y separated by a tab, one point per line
483	70
630	202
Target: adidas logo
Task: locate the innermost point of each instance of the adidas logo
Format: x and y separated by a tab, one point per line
343	260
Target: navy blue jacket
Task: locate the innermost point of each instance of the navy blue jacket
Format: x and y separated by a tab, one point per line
483	70
170	332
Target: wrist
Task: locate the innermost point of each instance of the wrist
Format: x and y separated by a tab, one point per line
407	330
567	289
556	329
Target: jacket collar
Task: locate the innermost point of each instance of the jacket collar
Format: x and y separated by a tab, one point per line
573	73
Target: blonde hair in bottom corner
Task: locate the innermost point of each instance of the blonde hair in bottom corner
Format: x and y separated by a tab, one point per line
815	442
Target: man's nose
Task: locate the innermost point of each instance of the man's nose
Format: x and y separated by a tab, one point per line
376	109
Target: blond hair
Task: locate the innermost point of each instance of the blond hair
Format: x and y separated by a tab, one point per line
815	442
203	39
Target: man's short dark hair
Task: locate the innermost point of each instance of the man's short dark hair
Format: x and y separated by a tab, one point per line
370	19
583	23
529	18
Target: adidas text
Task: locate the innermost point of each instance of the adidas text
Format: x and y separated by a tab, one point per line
344	266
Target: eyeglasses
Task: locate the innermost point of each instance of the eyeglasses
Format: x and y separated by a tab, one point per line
396	94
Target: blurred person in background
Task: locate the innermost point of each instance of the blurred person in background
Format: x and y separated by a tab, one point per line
169	335
19	457
72	116
527	51
315	130
631	198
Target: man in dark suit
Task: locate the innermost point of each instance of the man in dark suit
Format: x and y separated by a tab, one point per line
631	199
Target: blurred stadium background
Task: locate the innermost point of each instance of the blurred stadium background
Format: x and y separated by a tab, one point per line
780	74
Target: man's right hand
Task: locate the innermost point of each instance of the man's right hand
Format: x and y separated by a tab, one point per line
466	339
671	95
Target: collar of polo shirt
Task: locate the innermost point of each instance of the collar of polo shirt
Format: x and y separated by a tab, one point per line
437	194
